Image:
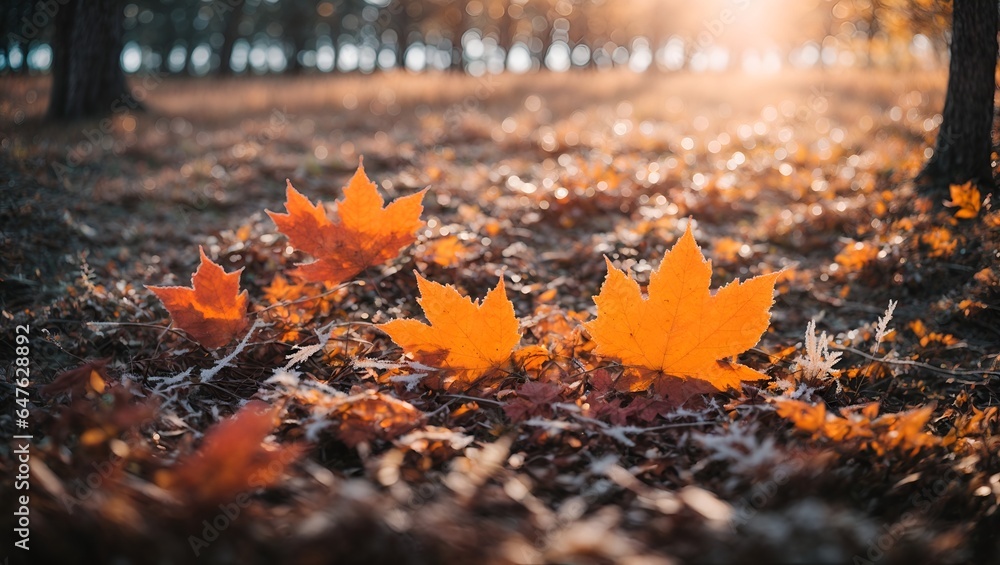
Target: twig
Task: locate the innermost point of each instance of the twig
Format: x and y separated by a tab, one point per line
218	388
918	364
306	298
474	398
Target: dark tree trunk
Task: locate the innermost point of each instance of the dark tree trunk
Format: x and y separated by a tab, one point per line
297	46
87	77
401	22
505	31
457	49
297	26
457	57
229	37
964	144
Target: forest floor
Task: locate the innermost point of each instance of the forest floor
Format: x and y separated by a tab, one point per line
892	455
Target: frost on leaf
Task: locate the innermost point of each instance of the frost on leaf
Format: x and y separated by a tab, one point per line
213	311
680	329
469	341
362	233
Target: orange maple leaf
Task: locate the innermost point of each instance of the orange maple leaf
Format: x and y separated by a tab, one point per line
361	235
680	329
231	459
470	340
213	311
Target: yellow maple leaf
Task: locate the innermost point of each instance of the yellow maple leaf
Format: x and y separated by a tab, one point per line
966	198
470	341
680	329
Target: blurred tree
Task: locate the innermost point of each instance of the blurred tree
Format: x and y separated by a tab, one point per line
964	145
87	77
402	19
297	17
230	33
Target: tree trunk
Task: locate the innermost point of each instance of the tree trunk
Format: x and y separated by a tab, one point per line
296	30
457	49
294	65
964	144
400	22
87	76
229	37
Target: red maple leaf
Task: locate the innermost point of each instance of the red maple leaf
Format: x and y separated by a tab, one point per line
213	310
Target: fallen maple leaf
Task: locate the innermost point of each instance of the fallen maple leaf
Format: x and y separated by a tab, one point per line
89	377
680	329
361	235
213	311
902	430
534	398
966	198
372	415
231	460
468	339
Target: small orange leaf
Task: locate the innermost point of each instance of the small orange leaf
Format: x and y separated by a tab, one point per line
372	415
468	339
89	377
213	311
446	251
361	235
680	329
805	416
966	198
531	358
